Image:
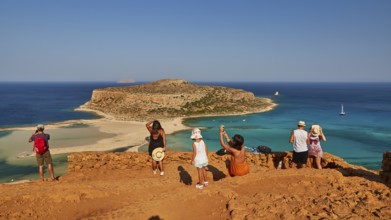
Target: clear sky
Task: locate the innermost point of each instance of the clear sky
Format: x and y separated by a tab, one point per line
195	40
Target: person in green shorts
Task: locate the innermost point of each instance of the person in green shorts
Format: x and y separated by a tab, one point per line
42	153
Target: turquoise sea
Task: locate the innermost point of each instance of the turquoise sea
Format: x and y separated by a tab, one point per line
360	137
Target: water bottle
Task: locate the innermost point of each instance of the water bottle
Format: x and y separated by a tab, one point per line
279	165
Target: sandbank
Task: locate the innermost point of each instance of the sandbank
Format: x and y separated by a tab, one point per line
89	135
104	134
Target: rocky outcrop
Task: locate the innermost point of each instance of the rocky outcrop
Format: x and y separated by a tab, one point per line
173	98
132	160
386	168
122	186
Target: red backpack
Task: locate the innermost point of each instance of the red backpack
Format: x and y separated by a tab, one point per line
40	144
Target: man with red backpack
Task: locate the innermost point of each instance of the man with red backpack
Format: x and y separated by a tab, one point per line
41	148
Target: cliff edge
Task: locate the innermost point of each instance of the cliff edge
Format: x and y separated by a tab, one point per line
170	98
122	186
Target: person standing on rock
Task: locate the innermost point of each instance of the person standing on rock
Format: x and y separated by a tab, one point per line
237	165
42	153
157	139
300	148
315	151
199	157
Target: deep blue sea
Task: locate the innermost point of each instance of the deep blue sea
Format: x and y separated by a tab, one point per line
360	137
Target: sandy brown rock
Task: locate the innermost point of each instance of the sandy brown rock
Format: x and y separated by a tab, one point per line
122	186
173	98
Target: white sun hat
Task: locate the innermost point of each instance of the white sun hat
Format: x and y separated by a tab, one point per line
196	133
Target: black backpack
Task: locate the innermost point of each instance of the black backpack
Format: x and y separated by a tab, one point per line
264	149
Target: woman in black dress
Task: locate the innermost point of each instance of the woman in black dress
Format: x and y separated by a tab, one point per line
157	139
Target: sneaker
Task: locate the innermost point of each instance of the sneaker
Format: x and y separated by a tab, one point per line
162	173
154	171
206	183
199	186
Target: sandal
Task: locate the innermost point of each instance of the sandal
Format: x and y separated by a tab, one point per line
199	186
162	173
154	171
206	183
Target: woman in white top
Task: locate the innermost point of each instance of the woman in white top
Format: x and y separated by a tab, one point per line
200	157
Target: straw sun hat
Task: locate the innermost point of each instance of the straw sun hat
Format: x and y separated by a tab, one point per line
315	130
158	154
301	123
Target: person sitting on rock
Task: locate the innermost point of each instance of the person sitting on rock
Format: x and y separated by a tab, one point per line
238	165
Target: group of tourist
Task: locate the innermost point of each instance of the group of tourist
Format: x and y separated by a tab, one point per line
305	145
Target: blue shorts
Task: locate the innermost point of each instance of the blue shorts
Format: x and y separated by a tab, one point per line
200	165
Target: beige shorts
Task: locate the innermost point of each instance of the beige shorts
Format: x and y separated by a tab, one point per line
44	157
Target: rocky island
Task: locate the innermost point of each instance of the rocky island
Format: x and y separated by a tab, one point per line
170	98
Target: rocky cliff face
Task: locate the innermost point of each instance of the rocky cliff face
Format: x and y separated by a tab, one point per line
386	168
173	98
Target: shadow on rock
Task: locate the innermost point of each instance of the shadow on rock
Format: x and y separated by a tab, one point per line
184	176
349	171
217	174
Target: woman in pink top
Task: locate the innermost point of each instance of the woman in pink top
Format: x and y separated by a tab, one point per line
315	151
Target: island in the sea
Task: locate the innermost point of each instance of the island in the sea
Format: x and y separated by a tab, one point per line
171	98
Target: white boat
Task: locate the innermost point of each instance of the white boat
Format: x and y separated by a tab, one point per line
342	111
276	93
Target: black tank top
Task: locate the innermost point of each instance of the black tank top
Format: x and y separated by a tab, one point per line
154	143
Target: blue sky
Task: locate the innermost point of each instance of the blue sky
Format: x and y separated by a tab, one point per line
214	40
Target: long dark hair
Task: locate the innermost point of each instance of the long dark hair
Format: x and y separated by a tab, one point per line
156	126
237	141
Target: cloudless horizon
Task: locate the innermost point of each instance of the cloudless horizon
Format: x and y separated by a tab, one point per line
199	41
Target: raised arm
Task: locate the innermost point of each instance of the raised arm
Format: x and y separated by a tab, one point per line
222	143
149	126
322	136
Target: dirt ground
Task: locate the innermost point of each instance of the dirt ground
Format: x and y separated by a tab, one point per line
139	194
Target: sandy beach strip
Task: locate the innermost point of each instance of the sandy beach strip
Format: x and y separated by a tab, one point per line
90	135
104	134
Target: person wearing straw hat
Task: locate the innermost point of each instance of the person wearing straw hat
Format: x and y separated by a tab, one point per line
157	140
315	151
200	157
42	153
300	149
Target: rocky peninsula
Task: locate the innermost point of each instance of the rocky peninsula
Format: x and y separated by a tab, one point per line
172	98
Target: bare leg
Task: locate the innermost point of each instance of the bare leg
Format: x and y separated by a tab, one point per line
292	165
160	163
154	165
312	161
317	160
200	176
40	168
50	168
204	174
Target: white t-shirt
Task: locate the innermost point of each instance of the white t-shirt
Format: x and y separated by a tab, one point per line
201	156
300	140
